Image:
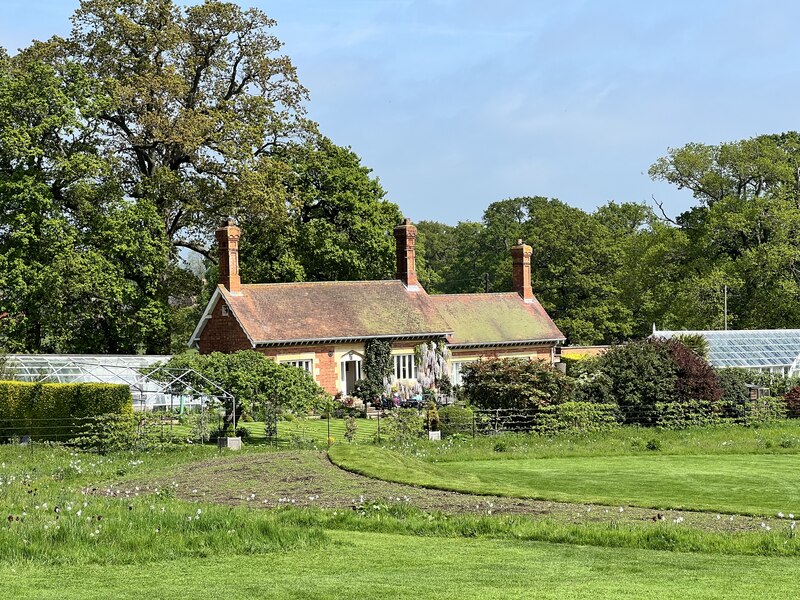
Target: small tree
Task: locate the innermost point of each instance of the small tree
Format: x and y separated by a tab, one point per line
350	428
254	381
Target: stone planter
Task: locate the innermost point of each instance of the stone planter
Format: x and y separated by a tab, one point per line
435	436
231	443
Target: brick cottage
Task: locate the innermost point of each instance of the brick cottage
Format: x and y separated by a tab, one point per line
322	326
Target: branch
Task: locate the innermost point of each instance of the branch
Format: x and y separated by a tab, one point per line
660	206
197	248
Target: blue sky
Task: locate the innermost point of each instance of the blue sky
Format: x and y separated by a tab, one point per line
457	103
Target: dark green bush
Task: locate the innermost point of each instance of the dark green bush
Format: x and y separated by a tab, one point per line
641	375
56	411
455	419
735	394
576	416
658	382
514	383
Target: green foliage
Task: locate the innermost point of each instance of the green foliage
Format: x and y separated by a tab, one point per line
641	375
766	409
199	426
514	383
350	429
402	426
57	411
337	226
576	417
254	380
377	369
432	416
735	393
455	419
694	342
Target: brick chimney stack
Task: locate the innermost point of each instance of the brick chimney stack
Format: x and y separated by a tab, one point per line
521	271
405	236
228	242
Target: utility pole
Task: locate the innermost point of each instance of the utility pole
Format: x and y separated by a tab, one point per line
726	308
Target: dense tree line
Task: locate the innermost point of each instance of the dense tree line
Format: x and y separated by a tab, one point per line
609	275
124	144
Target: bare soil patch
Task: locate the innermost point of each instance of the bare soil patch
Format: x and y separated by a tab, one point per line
309	479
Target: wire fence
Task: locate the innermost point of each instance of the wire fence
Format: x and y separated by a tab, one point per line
287	431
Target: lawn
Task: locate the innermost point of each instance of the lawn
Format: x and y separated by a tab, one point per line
186	521
732	483
372	565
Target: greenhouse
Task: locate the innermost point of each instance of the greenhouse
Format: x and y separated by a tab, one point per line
766	350
131	370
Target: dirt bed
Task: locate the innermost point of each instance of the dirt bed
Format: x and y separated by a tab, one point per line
308	478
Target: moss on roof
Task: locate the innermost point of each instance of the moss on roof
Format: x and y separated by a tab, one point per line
487	318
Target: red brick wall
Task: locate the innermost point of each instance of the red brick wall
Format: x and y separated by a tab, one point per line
222	333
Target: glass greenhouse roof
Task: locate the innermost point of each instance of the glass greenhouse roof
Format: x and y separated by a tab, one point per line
749	348
83	368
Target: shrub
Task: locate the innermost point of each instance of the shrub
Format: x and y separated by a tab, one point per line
640	375
350	429
432	416
455	419
56	411
792	401
253	379
764	410
577	416
679	415
658	382
697	380
514	383
402	425
735	394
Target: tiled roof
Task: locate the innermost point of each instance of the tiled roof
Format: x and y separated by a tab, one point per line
293	312
495	318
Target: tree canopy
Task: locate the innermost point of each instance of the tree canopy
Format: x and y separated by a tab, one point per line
124	144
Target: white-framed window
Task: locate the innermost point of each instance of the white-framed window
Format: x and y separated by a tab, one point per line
307	365
405	366
455	371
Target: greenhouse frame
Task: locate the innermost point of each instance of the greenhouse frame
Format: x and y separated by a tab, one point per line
152	387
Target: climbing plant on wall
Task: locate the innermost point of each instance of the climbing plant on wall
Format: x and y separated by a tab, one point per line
377	368
432	358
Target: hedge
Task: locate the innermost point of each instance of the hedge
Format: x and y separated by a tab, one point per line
56	411
576	416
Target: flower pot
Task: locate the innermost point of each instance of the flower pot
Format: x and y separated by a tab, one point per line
231	443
